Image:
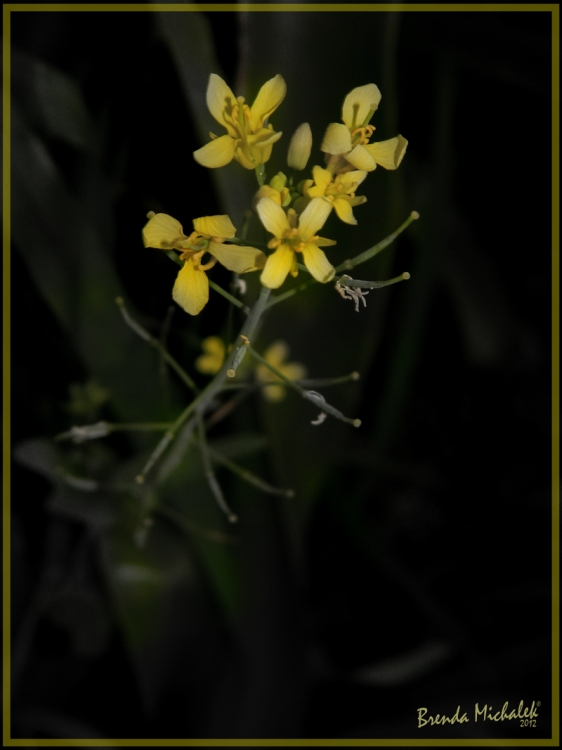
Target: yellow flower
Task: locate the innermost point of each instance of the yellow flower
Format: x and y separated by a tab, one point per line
211	362
293	236
248	140
276	355
191	290
339	190
350	140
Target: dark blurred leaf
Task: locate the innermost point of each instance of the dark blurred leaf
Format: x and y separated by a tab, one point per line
73	270
52	101
155	598
189	39
40	455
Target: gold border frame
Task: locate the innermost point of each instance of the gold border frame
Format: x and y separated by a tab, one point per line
554	9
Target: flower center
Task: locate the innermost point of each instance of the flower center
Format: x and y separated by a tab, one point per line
360	136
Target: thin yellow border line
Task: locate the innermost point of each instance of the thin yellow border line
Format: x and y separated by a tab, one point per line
279	7
554	9
6	432
556	365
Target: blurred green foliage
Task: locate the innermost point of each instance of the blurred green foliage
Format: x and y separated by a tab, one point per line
413	560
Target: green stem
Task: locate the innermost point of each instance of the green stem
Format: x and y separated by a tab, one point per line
371	252
210	474
308	395
229	297
144	334
285	295
317	383
248	330
260	174
249	476
200	404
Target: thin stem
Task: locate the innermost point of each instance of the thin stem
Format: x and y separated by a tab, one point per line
260	174
285	295
210	474
368	254
248	330
169	435
249	476
194	528
229	297
144	334
317	383
82	433
316	398
200	404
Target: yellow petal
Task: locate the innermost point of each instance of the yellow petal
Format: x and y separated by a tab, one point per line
213	345
277	267
220	101
261	155
344	211
272	217
243	159
357	104
268	99
216	153
276	354
263	138
215	226
191	290
323	242
294	371
317	263
266	191
274	393
163	232
238	258
350	181
314	217
361	159
337	139
389	153
211	362
322	178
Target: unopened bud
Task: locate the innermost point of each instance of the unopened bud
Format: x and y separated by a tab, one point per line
278	182
300	147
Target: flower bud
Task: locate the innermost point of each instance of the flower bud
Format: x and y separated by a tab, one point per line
300	147
278	182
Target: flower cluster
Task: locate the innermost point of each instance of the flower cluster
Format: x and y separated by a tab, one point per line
292	213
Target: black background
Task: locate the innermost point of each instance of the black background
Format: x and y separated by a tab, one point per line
412	567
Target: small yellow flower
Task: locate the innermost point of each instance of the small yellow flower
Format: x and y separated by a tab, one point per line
339	190
291	236
276	355
191	290
350	140
212	360
248	140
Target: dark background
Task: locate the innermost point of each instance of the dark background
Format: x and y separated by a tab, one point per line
412	567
